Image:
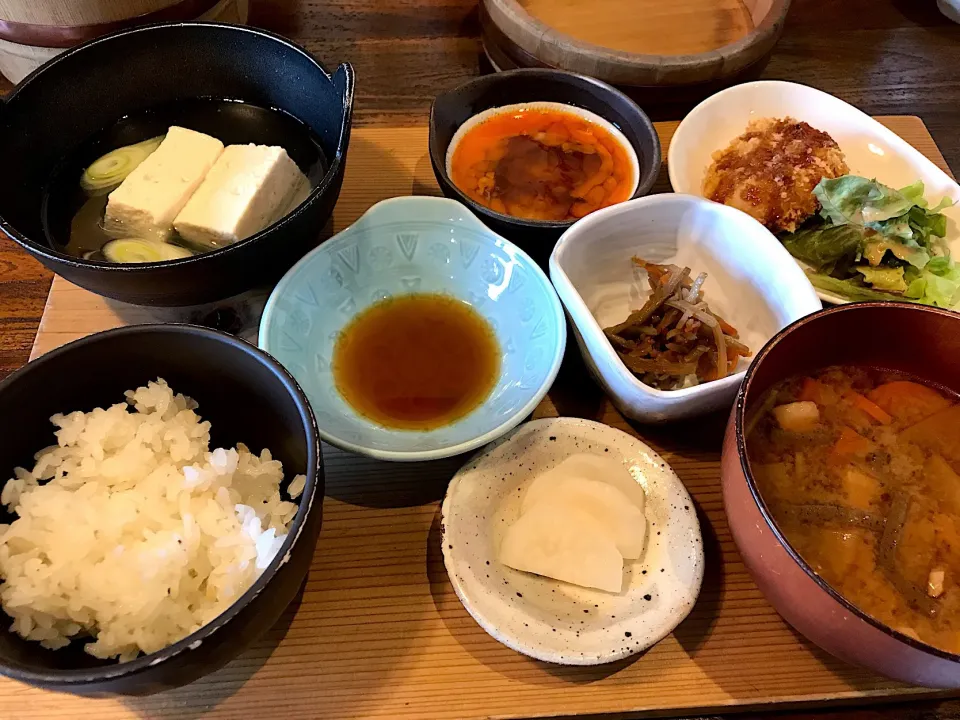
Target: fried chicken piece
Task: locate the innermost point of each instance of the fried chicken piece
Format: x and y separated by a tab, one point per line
770	171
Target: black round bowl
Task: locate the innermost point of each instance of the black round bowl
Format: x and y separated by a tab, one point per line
248	397
90	87
451	109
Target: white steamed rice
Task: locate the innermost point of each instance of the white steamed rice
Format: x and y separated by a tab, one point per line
130	530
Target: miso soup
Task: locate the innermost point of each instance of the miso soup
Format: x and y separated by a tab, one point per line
860	468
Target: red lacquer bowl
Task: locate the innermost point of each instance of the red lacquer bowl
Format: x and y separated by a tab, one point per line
919	340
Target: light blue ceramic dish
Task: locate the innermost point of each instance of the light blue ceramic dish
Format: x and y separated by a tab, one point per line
407	245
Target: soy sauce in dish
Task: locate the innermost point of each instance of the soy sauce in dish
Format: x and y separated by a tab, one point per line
72	221
416	362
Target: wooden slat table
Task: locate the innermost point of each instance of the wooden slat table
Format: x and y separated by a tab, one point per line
380	633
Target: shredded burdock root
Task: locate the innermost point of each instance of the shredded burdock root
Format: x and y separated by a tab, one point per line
675	340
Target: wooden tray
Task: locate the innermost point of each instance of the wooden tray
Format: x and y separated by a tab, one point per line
379	632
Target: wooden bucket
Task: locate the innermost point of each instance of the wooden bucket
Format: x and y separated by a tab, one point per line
18	59
64	23
634	43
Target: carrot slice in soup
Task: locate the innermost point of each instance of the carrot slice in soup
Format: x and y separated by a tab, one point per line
815	391
850	444
809	390
869	407
908	402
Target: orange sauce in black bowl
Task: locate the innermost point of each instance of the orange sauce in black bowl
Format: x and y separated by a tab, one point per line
542	161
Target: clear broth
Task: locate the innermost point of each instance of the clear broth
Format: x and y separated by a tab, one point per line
72	220
416	362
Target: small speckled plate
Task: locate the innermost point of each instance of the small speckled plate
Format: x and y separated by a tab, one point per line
551	620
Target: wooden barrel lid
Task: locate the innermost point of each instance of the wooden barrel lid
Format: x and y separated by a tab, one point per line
635	42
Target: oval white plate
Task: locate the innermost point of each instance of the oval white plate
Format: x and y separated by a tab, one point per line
551	620
871	150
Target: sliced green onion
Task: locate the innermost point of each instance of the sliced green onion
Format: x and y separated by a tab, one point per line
137	250
108	171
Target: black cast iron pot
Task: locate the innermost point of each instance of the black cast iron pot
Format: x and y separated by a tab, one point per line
247	397
89	88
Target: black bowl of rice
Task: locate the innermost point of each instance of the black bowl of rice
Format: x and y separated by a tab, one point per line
162	497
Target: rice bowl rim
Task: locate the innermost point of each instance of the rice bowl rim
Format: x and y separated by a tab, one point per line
193	641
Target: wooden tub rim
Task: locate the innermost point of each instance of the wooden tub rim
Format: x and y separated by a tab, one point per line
722	60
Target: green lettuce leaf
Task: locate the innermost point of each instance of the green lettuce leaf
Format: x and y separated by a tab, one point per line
851	289
916	289
942	205
941	266
902	214
937	284
855	200
824	246
914	193
926	225
878	243
898	228
942	278
884	278
940	291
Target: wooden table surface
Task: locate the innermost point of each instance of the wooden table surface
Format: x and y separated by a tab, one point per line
885	56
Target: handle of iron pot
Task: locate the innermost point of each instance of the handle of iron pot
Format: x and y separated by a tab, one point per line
344	79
